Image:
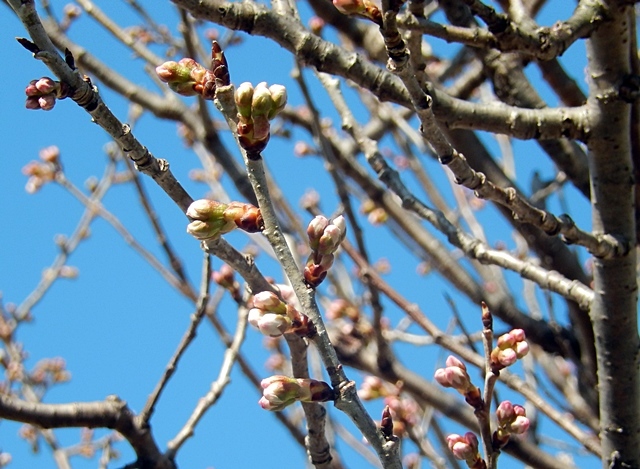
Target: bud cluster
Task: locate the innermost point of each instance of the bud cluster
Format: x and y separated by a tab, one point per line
465	448
512	420
212	219
364	8
509	348
373	387
324	239
273	317
455	375
188	78
43	171
280	391
42	93
256	107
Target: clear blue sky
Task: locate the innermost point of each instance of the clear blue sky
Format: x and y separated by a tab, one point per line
119	323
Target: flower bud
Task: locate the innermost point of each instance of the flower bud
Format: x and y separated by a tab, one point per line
511	420
244	97
279	97
510	347
261	103
315	230
273	325
208	219
349	7
280	391
464	448
47	102
269	301
46	85
171	71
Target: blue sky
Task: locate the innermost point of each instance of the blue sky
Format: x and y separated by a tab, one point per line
119	323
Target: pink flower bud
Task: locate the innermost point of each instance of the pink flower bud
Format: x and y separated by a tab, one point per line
47	102
505	413
274	325
455	362
278	392
510	347
330	240
512	419
46	85
33	102
269	301
31	89
169	71
254	316
349	7
464	448
315	230
522	349
521	423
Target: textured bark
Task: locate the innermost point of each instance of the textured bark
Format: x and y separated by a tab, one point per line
614	311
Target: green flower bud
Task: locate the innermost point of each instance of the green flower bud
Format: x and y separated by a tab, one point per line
262	102
279	97
244	97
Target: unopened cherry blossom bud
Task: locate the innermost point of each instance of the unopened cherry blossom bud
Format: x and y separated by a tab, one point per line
372	388
183	76
365	8
46	85
455	375
341	224
243	98
172	71
32	102
269	301
315	230
261	102
273	325
464	448
521	423
208	219
279	98
349	7
330	240
47	102
280	391
50	154
510	347
512	419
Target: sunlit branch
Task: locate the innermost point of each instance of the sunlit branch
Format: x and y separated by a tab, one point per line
329	58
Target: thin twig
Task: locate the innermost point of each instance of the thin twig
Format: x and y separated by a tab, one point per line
187	338
217	387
